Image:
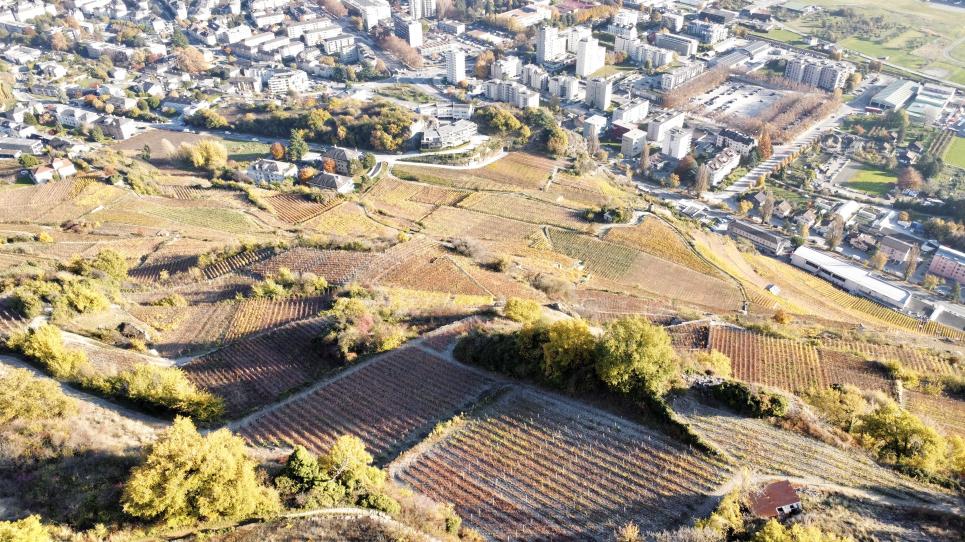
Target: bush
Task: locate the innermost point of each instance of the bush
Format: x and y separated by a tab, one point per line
713	363
171	300
187	477
45	346
522	310
633	351
165	388
569	353
380	502
748	400
45	238
28	529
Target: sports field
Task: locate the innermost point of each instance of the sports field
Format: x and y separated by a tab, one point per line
955	155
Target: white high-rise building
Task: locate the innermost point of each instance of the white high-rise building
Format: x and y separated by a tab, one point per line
590	57
455	65
420	9
506	68
599	93
677	144
632	142
549	45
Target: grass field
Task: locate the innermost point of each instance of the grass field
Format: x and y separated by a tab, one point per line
245	151
786	36
871	180
955	155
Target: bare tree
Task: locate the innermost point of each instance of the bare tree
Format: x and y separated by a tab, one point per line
702	183
835	233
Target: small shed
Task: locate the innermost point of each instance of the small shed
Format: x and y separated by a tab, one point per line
774	500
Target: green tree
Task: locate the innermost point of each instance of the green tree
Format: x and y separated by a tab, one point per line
569	350
557	142
297	148
187	477
348	463
635	352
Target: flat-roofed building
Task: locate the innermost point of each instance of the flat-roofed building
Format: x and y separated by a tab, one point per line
682	45
896	249
762	238
734	139
594	126
633	111
723	164
677	143
660	126
446	135
632	142
948	263
599	93
849	277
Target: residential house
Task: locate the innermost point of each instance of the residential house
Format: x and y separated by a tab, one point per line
333	181
343	159
949	264
29	146
896	249
271	171
119	128
759	236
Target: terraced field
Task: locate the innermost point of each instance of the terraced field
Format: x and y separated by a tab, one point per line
524	209
415	389
516	171
336	266
257	315
533	467
772	451
258	370
658	239
946	412
295	208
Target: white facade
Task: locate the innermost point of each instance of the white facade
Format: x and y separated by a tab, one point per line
594	126
282	82
682	45
511	92
725	162
677	143
590	57
506	68
443	136
271	171
632	112
631	145
659	127
549	46
818	72
599	93
455	65
421	9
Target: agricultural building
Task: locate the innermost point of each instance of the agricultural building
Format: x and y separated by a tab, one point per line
853	279
760	237
893	96
775	500
949	264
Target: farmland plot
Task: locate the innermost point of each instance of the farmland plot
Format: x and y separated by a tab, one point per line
295	208
516	171
775	452
257	315
919	359
606	259
663	278
336	266
603	305
257	370
947	413
524	209
434	272
656	238
414	390
213	218
459	222
348	219
196	328
532	467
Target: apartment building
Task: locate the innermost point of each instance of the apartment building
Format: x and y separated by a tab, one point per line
455	65
632	142
633	111
818	72
677	143
599	93
509	67
511	92
660	126
733	139
564	87
723	164
946	263
707	32
682	45
590	57
288	80
680	75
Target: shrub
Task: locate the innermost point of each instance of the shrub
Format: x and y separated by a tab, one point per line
45	238
713	362
554	287
166	388
28	529
380	502
568	352
170	300
522	310
25	397
187	477
748	400
45	346
727	519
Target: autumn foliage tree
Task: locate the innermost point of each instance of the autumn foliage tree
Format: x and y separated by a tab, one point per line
910	179
277	150
764	147
187	477
191	60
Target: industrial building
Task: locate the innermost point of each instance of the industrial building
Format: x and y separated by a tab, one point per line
894	96
761	238
682	45
854	279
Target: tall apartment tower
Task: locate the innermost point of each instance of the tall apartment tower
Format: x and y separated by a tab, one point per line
455	65
549	46
421	9
590	57
599	93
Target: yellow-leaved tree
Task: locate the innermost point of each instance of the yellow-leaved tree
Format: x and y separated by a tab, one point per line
187	477
27	529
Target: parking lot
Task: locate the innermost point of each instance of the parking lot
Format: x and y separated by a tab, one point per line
739	99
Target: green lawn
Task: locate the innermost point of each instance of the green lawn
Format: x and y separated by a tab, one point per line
245	151
871	180
786	36
955	155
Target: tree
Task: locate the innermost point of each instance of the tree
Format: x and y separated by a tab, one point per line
835	232
328	165
208	154
955	294
277	150
901	438
930	282
335	7
187	477
929	165
673	180
764	147
368	161
767	208
28	161
296	145
191	60
146	152
645	159
524	311
568	351
633	352
744	207
58	42
557	142
879	260
484	64
912	263
910	179
853	82
702	183
306	174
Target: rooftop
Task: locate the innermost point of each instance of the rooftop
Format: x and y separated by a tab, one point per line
853	274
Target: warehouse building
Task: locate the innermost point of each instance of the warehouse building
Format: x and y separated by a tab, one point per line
893	96
849	277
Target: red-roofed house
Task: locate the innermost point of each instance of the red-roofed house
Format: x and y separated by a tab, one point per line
775	500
